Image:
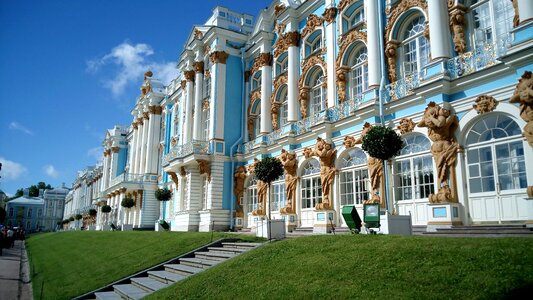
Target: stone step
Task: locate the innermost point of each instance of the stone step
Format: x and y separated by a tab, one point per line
199	263
182	269
107	296
129	291
303	229
214	255
227	249
148	284
165	276
240	245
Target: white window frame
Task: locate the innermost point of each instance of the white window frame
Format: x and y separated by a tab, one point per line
411	61
251	195
206	122
278	195
311	186
489	34
358	84
318	94
359	186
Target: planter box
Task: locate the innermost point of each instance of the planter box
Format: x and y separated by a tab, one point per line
276	228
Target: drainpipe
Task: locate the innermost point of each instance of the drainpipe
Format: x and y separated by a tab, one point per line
239	140
382	90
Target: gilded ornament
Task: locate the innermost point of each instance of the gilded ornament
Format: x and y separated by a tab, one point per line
406	125
326	154
282	79
161	146
115	149
345	3
313	21
330	14
247	75
523	95
285	41
238	189
279	8
484	104
183	172
458	24
279	28
274	112
290	164
516	18
349	142
174	178
189	75
207	73
390	53
205	104
173	141
198	66
402	7
375	172
204	167
304	101
197	34
183	83
251	126
441	124
341	85
146	115
308	152
219	57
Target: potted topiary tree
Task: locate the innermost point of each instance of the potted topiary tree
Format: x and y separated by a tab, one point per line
127	203
92	216
268	170
163	194
106	209
381	143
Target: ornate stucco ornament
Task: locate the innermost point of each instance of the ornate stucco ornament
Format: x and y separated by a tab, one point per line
313	21
441	125
326	154
218	57
238	189
274	112
278	9
173	141
484	104
375	170
146	87
285	41
290	164
458	24
523	94
189	75
349	142
345	3
279	28
198	66
406	125
304	90
204	167
197	34
330	14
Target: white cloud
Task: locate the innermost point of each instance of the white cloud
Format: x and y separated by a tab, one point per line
11	170
17	126
51	171
132	63
97	153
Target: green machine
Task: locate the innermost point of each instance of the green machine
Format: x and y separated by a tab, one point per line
351	217
371	215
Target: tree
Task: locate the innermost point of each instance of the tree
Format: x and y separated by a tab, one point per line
267	170
127	202
79	217
163	194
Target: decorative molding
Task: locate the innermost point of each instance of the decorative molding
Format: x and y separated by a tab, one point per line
304	101
174	178
183	83
346	41
251	124
458	24
349	142
207	74
204	167
155	109
198	34
115	149
183	171
341	84
406	125
217	57
290	164
484	104
523	95
516	18
198	66
285	41
205	104
279	8
189	75
282	79
135	125
390	53
308	64
451	3
399	9
313	21
345	3
146	115
274	113
330	14
161	146
173	141
279	28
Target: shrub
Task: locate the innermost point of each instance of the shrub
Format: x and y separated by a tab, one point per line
163	194
127	202
79	217
71	219
382	142
106	209
92	212
268	169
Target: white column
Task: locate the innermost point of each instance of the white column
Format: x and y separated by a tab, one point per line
374	69
114	162
153	140
439	29
218	94
189	88
293	75
133	149
331	41
266	92
525	8
104	171
199	80
140	130
144	141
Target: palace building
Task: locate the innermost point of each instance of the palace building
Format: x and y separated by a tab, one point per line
304	81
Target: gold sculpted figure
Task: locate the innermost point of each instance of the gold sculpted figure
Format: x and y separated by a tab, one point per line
238	189
523	95
290	164
326	155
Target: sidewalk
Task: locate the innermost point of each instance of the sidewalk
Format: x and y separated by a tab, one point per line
15	273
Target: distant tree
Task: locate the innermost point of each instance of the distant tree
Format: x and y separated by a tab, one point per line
19	193
34	191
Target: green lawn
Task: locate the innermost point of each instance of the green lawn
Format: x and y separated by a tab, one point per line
368	267
73	263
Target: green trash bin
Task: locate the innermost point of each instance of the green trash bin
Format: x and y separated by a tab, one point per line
351	217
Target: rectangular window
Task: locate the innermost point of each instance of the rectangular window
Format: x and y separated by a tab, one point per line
278	196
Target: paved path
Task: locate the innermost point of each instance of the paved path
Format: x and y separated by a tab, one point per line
15	282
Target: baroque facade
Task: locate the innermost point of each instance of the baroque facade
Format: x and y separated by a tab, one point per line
304	81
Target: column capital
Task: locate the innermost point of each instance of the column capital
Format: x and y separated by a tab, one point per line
134	125
146	115
264	60
219	57
155	109
330	14
183	83
115	149
198	66
189	75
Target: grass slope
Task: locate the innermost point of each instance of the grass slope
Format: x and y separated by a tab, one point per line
72	263
368	267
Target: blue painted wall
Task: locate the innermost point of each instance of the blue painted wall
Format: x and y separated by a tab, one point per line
233	102
122	159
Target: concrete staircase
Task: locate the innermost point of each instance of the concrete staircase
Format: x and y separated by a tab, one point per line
484	231
149	281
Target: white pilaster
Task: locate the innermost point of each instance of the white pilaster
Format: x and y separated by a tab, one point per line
292	84
189	88
331	40
194	202
138	147
197	126
373	36
525	8
439	29
134	153
266	92
153	142
218	94
144	148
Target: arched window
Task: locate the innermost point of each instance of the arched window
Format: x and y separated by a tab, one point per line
313	43
414	47
282	64
257	121
353	16
283	103
318	93
495	155
256	80
277	196
490	21
354	184
358	76
413	169
311	188
251	195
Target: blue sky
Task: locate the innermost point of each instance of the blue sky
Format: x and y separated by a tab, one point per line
72	69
